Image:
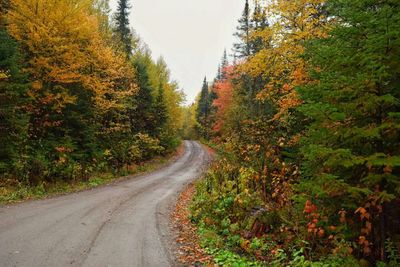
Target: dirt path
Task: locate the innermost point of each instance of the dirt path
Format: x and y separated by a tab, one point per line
124	224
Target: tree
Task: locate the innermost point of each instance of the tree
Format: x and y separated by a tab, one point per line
13	99
224	65
259	22
173	98
203	108
142	116
160	110
80	85
224	93
351	149
219	73
242	49
122	26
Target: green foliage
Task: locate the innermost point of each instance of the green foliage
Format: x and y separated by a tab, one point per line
227	258
122	26
393	253
243	47
350	145
14	191
299	260
13	117
141	116
160	111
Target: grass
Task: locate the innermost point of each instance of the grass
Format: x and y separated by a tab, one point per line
20	192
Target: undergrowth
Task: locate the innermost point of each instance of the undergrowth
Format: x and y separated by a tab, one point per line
14	191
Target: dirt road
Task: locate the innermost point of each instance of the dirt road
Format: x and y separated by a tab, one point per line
124	224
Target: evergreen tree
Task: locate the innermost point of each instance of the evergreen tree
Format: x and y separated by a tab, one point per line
259	22
242	49
160	110
203	107
351	150
219	73
122	26
224	61
142	116
13	118
224	65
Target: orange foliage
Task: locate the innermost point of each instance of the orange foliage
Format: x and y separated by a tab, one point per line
223	89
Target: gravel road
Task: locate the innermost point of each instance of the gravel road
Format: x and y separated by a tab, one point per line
123	224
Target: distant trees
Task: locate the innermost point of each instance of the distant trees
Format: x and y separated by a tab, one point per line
204	108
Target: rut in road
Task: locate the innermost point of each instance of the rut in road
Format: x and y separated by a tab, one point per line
124	224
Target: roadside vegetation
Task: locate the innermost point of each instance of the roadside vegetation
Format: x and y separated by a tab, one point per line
81	98
306	120
15	192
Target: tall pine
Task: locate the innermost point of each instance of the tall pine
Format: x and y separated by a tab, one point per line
224	65
122	26
242	49
204	109
142	116
160	110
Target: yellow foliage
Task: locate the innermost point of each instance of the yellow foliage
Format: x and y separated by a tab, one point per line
279	61
3	75
65	48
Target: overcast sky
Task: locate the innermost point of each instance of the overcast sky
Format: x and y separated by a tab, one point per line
190	34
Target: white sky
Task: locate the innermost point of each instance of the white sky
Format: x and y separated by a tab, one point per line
190	34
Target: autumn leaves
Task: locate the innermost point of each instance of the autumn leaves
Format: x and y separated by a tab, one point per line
308	121
87	104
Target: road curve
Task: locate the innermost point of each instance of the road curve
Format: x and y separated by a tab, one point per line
123	224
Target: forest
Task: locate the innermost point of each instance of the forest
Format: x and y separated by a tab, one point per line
306	123
303	116
80	95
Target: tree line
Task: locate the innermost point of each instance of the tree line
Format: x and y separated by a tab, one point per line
79	92
307	117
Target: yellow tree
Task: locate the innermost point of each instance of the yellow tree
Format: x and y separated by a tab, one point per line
173	100
279	61
80	84
64	48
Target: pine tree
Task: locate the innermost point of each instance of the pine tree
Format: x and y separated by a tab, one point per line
224	61
224	65
242	49
259	22
160	110
351	149
203	107
141	116
13	118
122	26
219	74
